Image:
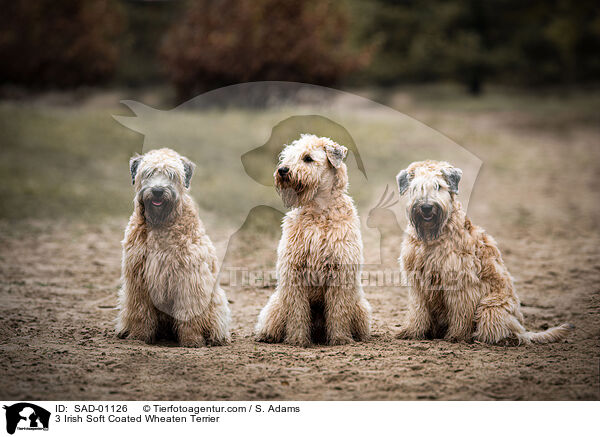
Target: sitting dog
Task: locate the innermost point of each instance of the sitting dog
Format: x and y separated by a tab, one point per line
318	296
170	285
460	288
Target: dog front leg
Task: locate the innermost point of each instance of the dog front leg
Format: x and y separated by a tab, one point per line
361	328
298	323
219	319
190	328
191	307
137	317
190	333
340	308
461	314
418	320
270	327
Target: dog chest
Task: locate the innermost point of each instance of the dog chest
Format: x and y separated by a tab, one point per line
315	245
167	263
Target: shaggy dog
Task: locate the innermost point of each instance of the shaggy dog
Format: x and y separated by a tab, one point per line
319	297
169	276
460	288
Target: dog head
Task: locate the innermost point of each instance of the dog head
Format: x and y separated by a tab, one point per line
309	168
160	177
431	187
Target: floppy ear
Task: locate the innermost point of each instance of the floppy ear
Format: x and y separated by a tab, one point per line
452	176
403	180
336	154
134	163
188	167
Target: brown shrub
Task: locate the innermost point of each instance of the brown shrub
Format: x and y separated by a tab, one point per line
49	43
221	42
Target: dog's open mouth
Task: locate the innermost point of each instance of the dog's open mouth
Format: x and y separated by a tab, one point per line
158	202
427	217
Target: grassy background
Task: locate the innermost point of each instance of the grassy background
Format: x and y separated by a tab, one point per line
60	161
66	157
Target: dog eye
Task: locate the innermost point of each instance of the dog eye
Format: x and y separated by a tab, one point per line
307	159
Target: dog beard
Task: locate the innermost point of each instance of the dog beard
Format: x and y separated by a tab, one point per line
293	193
158	215
427	229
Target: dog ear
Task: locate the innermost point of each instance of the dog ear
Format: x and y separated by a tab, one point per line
336	154
134	163
188	167
452	176
403	180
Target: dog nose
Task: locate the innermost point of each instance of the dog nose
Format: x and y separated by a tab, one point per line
426	208
158	192
283	171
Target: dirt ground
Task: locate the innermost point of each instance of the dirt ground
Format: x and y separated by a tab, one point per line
59	281
56	328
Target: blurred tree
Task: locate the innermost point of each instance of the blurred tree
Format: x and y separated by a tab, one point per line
553	41
472	41
46	43
147	23
203	44
429	40
222	42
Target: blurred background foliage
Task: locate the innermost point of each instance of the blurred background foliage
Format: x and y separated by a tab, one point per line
198	45
224	42
427	58
59	43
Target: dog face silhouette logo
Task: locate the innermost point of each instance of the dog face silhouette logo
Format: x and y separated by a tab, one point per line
26	416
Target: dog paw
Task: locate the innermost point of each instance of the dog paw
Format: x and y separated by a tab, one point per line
361	337
264	337
457	338
192	342
148	339
218	341
405	334
301	342
340	340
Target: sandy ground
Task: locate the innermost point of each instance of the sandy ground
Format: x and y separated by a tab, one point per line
56	330
537	194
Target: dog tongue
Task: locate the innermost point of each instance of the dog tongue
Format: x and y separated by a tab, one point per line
157	202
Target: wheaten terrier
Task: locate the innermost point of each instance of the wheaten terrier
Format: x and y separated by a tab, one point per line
459	286
319	297
170	285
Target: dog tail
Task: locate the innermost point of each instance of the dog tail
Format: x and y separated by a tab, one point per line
550	335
